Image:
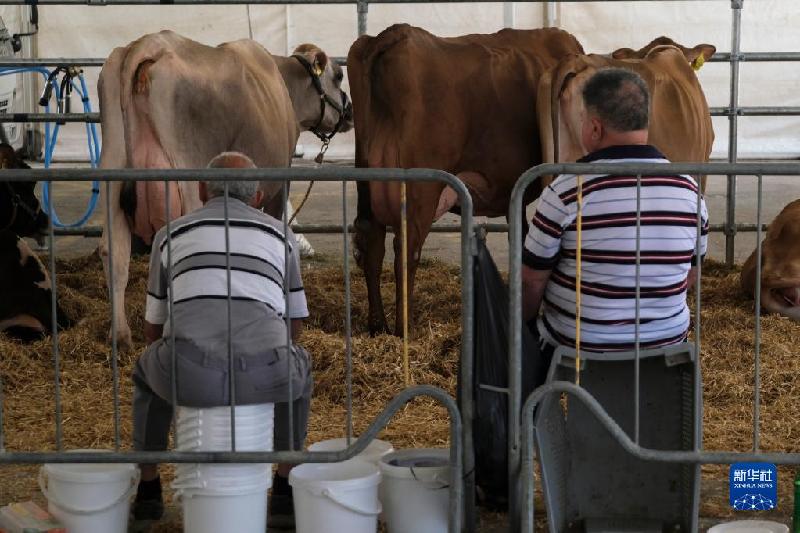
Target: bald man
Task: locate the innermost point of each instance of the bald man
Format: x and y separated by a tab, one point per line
259	315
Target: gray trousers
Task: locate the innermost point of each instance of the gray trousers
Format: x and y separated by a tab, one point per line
203	382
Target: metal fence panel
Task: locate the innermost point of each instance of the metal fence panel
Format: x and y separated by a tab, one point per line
521	429
460	434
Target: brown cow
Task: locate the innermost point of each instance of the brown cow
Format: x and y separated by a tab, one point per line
780	265
170	102
680	122
465	105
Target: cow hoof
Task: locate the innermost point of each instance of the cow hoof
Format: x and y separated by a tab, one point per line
376	329
124	339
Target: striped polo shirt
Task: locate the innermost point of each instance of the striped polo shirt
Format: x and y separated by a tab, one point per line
200	284
668	230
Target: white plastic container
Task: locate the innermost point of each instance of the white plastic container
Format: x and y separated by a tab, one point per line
239	500
414	490
214	496
334	497
750	526
89	498
375	449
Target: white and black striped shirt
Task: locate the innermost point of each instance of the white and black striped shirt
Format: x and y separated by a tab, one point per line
199	275
668	229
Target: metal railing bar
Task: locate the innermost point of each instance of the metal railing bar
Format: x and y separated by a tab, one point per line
639	452
94	118
756	111
638	309
286	313
229	318
753	57
171	318
50	117
719	57
337	174
101	3
54	323
348	344
757	340
9	62
335	229
113	315
733	131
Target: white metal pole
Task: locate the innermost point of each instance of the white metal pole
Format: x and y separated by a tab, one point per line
508	14
550	15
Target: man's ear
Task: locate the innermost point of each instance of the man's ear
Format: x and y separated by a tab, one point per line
258	199
597	128
203	192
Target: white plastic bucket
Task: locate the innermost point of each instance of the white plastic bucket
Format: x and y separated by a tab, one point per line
750	526
336	497
372	454
414	490
89	498
214	496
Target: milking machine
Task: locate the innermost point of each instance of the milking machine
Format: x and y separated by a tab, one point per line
62	81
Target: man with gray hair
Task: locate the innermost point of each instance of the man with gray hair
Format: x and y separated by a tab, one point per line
259	272
614	130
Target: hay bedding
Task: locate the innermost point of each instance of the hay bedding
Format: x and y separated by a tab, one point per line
86	378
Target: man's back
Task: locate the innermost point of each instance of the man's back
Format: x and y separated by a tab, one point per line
668	230
200	279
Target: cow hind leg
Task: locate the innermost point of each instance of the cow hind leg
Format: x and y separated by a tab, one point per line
369	249
121	242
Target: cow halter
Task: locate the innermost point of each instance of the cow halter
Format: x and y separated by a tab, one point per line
324	101
16	205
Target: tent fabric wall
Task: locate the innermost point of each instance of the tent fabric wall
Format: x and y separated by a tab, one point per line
767	25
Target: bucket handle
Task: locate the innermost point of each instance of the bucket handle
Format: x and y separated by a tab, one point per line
349	506
125	495
434	483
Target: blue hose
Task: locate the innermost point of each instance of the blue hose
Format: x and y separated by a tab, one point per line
50	140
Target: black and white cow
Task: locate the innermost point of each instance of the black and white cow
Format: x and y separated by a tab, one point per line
20	211
25	305
25	290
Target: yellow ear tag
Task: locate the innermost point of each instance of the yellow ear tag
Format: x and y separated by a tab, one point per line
319	70
699	61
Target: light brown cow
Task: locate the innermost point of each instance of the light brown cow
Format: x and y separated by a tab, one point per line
170	102
780	265
680	122
462	104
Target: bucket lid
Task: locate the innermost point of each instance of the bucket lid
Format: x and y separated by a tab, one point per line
373	452
423	464
351	474
90	472
750	526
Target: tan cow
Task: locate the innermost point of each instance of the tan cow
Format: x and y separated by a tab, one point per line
680	122
461	104
170	102
780	265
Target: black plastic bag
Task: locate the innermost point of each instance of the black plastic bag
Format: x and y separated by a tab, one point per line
490	428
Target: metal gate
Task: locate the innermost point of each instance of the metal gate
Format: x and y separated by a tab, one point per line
460	434
521	428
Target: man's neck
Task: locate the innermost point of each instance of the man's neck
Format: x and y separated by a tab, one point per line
621	138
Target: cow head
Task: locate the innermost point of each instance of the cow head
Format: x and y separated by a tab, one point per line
326	109
696	56
780	267
20	211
